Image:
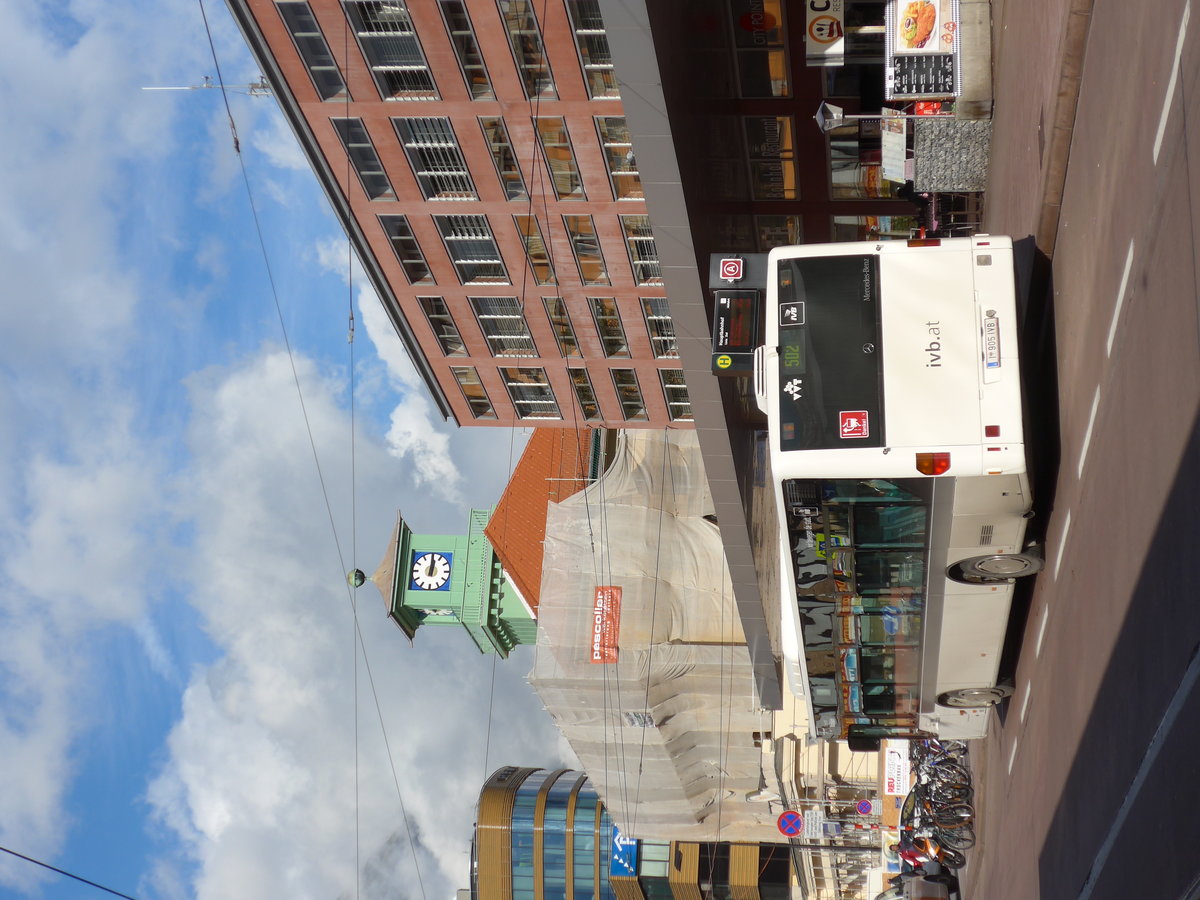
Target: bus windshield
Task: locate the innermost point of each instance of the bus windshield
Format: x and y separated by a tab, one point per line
829	326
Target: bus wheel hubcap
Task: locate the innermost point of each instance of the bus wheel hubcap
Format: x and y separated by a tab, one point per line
974	697
1003	566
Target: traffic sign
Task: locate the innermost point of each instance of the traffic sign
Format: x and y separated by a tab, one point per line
865	807
790	823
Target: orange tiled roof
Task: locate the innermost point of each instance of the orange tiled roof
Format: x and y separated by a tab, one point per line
554	466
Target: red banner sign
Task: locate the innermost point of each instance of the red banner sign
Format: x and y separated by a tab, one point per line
606	623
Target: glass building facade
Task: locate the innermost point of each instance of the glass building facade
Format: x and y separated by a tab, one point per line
545	835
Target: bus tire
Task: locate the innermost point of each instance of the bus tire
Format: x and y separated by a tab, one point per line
995	567
975	698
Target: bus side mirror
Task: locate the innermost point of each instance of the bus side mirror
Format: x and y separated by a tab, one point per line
862	743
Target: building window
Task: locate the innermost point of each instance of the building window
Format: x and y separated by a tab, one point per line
618	153
496	134
531	394
874	228
586	853
778	231
771	150
760	36
560	321
643	252
594	54
389	43
535	249
442	325
435	158
750	233
653	860
470	60
588	404
366	161
586	245
662	330
560	160
608	326
855	172
473	391
314	51
472	249
503	325
679	407
528	53
407	250
633	407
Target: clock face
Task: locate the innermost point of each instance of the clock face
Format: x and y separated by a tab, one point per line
430	571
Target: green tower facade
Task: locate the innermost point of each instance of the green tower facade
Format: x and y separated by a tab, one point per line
456	581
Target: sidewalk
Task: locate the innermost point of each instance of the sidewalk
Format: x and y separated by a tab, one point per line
1037	59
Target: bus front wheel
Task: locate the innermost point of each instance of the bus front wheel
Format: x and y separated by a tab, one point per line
975	698
995	567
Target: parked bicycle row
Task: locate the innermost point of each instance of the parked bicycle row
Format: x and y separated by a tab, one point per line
937	821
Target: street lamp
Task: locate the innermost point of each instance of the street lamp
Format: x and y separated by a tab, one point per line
829	117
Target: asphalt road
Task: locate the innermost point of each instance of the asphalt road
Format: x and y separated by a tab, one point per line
1089	779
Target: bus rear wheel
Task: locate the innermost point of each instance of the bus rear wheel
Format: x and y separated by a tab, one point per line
995	567
975	698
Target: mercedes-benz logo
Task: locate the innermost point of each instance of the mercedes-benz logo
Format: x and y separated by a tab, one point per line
868	347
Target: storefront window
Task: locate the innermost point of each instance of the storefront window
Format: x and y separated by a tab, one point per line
760	41
872	228
771	150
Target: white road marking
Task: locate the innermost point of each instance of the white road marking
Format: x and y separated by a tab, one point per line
1013	756
1028	694
1062	544
1037	649
1087	435
1168	101
1116	316
1186	685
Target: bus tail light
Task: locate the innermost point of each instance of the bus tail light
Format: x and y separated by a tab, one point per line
925	242
933	463
991	431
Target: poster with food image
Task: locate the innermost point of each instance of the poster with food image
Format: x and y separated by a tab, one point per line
923	26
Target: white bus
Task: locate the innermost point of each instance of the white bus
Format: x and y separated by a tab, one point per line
890	379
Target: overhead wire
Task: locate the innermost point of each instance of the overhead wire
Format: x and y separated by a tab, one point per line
360	644
353	480
79	878
653	617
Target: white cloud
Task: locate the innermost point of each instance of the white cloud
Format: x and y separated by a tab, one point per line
416	435
262	769
83	507
107	191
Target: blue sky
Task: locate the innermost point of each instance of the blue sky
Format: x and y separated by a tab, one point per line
177	657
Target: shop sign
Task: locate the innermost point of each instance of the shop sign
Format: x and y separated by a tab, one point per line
824	32
852	698
606	623
893	138
897	772
624	854
850	665
848	630
922	50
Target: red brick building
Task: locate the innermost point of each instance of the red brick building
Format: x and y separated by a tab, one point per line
478	155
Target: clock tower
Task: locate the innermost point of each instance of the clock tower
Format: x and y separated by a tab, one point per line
454	581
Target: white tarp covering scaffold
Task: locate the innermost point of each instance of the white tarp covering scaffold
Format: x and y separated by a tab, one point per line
667	730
